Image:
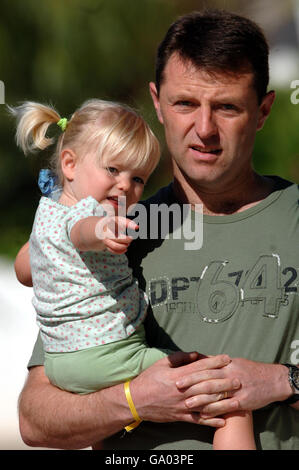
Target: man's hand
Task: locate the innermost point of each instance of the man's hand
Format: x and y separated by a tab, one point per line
157	397
261	384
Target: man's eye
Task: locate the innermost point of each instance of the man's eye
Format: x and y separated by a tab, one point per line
228	107
184	103
137	179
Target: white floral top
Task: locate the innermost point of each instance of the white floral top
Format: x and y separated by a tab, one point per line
82	299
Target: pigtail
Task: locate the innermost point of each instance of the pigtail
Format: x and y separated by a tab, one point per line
33	120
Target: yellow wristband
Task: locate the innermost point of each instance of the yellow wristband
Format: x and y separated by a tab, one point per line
132	408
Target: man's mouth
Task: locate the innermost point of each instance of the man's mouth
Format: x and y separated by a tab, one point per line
205	154
214	151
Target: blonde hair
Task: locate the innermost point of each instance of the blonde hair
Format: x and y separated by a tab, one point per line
104	127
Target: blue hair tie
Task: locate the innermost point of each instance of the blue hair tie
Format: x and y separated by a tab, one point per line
47	181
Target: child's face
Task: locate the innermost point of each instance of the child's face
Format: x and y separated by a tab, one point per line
106	185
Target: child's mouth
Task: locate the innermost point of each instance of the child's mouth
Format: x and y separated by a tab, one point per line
117	200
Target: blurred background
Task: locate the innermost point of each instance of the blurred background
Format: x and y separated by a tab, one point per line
64	52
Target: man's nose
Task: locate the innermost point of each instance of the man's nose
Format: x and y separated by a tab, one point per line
205	125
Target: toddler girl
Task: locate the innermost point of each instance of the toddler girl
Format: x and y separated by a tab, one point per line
90	309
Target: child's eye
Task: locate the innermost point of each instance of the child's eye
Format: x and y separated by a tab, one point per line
112	170
139	180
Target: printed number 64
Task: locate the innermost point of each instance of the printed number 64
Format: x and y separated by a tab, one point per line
224	296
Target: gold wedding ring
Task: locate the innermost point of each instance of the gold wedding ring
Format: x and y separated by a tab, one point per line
223	396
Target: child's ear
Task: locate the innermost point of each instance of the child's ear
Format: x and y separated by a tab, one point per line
68	160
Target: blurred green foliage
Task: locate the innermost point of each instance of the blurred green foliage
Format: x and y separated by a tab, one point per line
65	52
277	144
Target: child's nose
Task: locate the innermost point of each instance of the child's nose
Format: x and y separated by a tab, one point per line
124	183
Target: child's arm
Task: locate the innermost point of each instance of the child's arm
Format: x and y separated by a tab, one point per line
99	233
22	266
237	434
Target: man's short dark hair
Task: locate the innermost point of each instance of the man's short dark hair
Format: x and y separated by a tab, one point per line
218	41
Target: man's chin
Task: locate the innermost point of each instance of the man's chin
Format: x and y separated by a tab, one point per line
205	179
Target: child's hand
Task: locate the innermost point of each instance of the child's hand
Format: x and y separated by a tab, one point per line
112	231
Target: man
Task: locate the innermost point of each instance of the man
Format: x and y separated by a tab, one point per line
236	295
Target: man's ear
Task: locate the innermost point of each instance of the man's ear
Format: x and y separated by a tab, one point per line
156	101
68	160
265	108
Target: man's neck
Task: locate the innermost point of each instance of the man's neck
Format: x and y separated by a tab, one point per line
242	196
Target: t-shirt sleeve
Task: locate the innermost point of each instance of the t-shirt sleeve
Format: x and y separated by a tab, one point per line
37	357
88	207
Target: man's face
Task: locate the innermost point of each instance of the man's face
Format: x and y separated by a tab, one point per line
210	123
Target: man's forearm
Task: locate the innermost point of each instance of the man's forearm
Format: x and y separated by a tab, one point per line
50	417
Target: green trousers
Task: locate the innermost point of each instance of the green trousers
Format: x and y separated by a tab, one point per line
102	366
